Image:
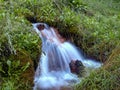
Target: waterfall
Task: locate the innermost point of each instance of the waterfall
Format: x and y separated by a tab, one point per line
53	70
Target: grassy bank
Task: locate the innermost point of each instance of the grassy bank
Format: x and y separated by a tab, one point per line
93	25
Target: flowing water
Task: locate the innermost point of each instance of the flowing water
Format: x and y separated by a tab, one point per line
53	71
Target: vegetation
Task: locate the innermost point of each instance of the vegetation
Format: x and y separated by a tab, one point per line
106	78
93	25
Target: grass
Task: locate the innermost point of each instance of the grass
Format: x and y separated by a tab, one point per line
105	27
93	25
106	78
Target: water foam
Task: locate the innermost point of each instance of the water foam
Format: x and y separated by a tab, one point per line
53	69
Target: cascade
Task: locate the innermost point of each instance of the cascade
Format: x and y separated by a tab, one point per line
53	70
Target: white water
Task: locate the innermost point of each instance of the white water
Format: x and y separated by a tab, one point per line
53	69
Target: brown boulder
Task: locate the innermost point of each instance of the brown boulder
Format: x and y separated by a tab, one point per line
77	67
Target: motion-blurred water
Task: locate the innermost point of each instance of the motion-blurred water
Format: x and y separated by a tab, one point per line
53	70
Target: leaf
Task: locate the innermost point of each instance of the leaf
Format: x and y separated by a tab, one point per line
35	41
9	63
26	66
16	64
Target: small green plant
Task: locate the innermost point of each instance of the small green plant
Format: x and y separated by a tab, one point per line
10	72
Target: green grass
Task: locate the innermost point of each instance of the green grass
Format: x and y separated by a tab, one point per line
93	25
106	78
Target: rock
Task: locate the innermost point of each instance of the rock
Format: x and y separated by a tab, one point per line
77	67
